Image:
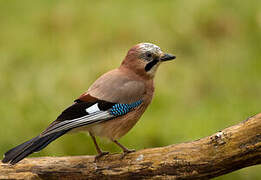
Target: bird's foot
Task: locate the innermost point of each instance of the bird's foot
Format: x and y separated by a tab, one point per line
103	153
127	151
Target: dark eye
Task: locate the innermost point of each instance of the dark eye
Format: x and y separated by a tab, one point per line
149	55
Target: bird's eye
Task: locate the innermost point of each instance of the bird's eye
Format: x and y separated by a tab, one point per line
149	55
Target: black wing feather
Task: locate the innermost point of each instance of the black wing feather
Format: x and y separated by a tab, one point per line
78	109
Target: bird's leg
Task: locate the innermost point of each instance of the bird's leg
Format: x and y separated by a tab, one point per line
98	149
125	150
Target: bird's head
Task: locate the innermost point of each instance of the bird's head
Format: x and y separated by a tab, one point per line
145	58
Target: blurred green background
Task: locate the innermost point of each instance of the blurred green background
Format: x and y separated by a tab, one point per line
51	51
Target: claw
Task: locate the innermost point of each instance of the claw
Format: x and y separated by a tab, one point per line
127	151
97	157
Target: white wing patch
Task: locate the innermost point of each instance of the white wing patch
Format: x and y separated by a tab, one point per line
94	108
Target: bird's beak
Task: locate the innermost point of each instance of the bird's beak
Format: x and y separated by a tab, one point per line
167	57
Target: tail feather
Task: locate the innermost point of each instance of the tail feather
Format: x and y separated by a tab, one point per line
12	152
19	152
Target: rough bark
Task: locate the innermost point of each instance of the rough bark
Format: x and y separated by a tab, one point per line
233	148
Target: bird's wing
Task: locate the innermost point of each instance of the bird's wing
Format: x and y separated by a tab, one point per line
110	96
84	113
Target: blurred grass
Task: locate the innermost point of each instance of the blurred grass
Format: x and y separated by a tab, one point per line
51	51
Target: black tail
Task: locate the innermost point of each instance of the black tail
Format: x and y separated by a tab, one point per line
19	152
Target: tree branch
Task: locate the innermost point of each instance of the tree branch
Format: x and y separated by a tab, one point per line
233	148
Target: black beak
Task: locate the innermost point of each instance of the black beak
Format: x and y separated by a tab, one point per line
167	57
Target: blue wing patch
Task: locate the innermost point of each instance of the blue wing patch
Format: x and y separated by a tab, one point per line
81	114
121	109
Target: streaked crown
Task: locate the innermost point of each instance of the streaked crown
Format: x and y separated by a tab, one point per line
149	47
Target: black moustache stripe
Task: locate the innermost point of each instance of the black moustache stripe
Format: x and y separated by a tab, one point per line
151	64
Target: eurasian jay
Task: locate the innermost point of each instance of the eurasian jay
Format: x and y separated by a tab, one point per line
111	106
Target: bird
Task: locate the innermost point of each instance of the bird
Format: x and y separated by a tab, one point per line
109	108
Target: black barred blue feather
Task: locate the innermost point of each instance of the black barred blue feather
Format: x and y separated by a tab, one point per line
79	114
100	111
121	109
